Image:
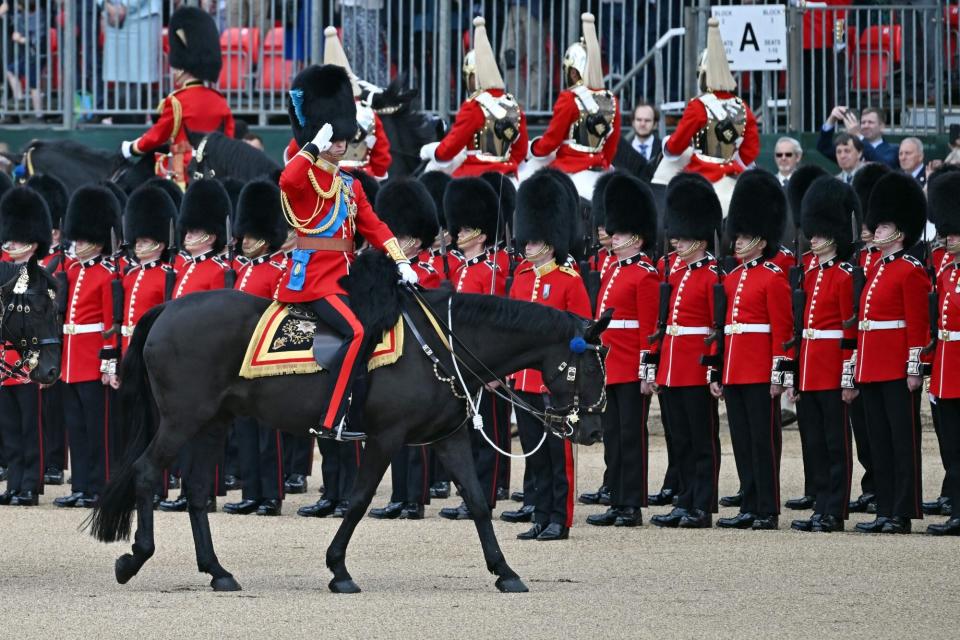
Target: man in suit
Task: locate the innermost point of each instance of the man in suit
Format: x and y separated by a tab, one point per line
848	152
787	154
639	150
869	130
911	159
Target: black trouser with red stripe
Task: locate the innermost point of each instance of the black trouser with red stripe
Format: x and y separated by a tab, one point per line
625	441
21	432
942	445
348	361
671	478
553	474
893	420
297	454
861	436
696	441
54	431
754	419
410	473
823	415
496	416
260	457
948	412
88	425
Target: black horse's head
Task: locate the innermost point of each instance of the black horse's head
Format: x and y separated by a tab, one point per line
577	381
28	319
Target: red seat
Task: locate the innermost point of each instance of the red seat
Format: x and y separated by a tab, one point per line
879	49
952	16
241	51
886	39
53	64
275	70
871	72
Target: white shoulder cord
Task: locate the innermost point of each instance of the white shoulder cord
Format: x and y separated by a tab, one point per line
474	407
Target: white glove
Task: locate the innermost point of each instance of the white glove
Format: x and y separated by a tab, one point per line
322	139
429	151
126	150
407	274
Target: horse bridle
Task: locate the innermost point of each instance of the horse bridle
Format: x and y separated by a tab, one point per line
563	418
28	348
200	173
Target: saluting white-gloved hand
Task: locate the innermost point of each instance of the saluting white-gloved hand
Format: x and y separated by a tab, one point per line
407	274
322	139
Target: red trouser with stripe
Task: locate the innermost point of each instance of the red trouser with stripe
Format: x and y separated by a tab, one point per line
334	311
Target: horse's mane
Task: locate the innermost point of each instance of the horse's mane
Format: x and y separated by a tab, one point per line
513	315
78	151
231	157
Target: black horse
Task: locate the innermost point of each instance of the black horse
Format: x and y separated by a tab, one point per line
218	155
185	355
28	320
76	164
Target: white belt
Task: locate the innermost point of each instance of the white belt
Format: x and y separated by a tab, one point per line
879	325
677	330
624	324
739	327
822	334
487	157
576	146
77	329
949	336
127	330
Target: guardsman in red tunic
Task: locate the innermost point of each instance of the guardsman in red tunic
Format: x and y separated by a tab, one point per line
490	131
944	384
894	327
471	206
442	254
693	217
193	106
718	130
90	345
630	288
543	219
25	234
584	131
326	206
758	324
830	214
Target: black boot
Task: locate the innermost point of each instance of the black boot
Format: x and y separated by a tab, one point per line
440	490
295	483
662	499
523	514
800	504
732	501
389	512
605	519
949	528
861	504
739	521
594	497
412	511
340	434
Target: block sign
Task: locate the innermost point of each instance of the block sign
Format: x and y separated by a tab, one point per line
755	36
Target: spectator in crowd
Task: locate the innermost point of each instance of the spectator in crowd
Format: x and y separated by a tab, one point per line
848	151
523	58
640	149
869	129
363	40
819	60
787	154
131	51
254	140
26	50
86	17
911	159
953	157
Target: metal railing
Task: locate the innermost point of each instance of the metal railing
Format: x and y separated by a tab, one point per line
81	61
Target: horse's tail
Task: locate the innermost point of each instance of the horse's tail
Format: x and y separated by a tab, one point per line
110	520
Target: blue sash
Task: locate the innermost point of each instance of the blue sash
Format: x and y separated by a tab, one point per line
301	257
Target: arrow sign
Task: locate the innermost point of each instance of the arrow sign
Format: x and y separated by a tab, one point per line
754	36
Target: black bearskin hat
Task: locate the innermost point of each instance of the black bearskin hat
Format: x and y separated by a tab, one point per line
233	187
406	206
693	210
800	181
170	187
865	179
6	183
758	208
831	209
367	182
117	192
899	199
544	215
54	194
322	94
597	207
630	208
93	211
24	217
195	43
149	214
471	203
259	214
206	206
436	183
943	201
507	193
571	204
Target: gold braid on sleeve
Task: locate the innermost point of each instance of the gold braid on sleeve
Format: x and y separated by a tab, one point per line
392	248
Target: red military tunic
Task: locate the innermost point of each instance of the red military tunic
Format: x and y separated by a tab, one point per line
868	257
316	274
569	160
89	315
829	289
435	258
144	287
469	122
758	322
552	286
57	261
201	273
630	287
195	107
260	276
479	275
944	381
894	323
427	276
786	260
693	121
689	323
602	261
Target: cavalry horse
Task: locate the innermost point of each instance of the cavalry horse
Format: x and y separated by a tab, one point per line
183	361
28	321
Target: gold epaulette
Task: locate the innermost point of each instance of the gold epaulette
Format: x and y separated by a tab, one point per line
570	271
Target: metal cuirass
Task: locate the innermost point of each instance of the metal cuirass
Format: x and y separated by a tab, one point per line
501	128
595	124
720	138
358	149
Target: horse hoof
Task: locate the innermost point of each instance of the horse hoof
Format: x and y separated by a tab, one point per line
511	585
125	568
226	583
344	586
